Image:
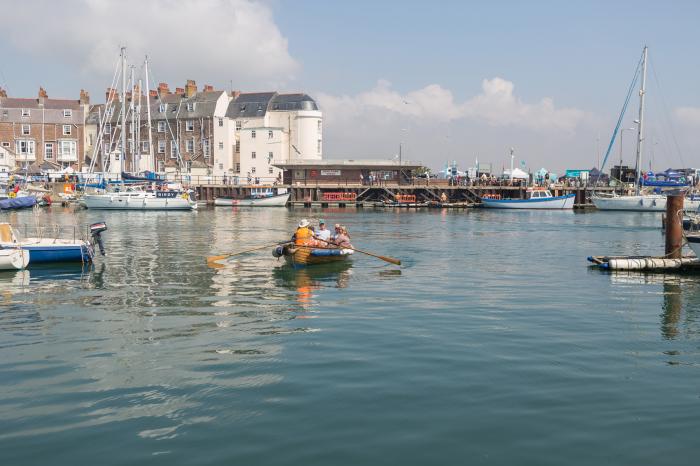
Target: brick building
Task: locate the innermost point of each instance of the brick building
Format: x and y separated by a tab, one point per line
44	130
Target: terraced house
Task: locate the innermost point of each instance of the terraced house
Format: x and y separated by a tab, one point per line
44	134
184	126
208	133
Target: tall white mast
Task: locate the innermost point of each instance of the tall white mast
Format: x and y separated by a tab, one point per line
133	121
123	129
151	161
640	127
138	126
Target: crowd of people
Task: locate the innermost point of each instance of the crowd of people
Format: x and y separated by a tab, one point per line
307	235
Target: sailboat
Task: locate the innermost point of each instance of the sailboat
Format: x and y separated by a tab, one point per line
639	201
121	196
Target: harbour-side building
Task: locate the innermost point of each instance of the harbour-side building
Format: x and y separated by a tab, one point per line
42	129
234	135
266	128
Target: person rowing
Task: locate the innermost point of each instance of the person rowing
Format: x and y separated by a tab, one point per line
323	233
303	236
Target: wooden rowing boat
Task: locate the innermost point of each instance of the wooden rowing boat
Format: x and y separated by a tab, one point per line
302	256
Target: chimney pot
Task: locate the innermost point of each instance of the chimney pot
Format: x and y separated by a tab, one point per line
84	97
3	92
42	93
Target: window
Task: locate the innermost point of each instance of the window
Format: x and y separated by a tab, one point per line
252	134
319	126
189	125
105	148
269	170
238	167
131	146
110	111
48	151
162	108
238	147
161	147
221	166
270	156
67	149
270	134
239	125
108	128
26	130
318	146
190	145
66	130
144	146
221	122
67	113
173	149
252	170
5	112
221	145
25	112
161	166
5	144
161	127
190	106
25	147
252	155
205	147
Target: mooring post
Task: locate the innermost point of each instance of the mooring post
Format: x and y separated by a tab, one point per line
674	225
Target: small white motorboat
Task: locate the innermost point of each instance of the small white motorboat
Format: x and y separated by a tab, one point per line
13	258
694	242
259	197
536	198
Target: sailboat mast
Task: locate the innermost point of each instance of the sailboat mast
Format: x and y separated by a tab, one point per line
640	126
123	112
133	122
151	162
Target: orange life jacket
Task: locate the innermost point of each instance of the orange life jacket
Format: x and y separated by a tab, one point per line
303	236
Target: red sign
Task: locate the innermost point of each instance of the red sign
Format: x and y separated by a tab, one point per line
314	173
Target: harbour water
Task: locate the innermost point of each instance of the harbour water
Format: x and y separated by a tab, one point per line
494	343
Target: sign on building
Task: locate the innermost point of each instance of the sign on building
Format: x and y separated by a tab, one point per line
330	172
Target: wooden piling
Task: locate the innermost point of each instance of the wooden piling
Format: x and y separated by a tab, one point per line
674	225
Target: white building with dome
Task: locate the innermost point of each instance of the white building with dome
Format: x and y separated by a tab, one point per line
261	129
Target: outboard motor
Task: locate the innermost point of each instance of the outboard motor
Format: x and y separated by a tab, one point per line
278	252
96	230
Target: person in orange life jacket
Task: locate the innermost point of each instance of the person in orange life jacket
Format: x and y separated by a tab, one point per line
303	235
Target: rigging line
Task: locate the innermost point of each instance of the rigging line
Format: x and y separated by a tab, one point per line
167	122
666	113
622	114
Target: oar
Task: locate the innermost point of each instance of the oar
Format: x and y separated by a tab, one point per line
211	259
384	258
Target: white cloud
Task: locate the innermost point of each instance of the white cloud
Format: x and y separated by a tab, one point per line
215	39
496	105
689	116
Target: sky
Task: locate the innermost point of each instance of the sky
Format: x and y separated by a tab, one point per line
445	80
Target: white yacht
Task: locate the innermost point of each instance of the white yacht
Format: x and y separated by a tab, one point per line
140	199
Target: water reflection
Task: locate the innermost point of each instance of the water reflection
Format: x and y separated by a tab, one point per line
306	281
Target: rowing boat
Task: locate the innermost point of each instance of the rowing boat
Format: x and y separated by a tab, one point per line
301	256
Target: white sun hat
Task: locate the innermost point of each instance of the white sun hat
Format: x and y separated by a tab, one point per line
303	223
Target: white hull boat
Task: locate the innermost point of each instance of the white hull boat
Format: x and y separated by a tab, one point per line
135	200
694	243
639	203
540	199
13	259
279	200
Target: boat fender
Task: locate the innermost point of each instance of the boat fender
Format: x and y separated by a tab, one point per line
278	251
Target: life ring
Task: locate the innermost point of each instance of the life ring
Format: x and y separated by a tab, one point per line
185	196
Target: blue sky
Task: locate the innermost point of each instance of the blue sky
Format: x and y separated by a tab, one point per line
360	58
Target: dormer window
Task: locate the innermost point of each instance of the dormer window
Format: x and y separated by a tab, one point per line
252	134
110	111
67	113
259	107
190	107
174	109
162	108
25	112
189	125
242	108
